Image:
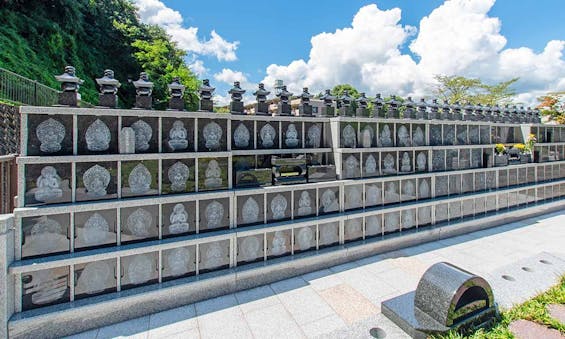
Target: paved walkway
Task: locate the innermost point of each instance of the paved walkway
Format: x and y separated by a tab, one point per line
344	301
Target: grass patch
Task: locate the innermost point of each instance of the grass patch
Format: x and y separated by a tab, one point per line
533	310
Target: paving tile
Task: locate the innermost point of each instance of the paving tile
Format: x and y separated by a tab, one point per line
288	285
412	265
370	284
376	264
344	267
256	298
305	305
134	329
216	304
225	323
348	303
323	326
171	322
273	322
84	335
524	329
323	279
557	312
400	279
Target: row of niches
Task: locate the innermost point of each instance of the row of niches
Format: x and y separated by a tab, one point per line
51	183
52	286
366	134
549	133
44	235
549	153
53	135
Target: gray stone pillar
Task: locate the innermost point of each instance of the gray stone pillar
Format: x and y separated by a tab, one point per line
6	281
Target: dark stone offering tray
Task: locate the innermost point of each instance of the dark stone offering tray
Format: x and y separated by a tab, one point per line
319	173
288	171
254	177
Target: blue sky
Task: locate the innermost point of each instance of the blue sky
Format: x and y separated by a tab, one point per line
253	35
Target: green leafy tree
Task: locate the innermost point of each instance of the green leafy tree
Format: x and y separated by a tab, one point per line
552	105
460	89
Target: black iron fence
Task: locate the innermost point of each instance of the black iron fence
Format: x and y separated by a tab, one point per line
21	90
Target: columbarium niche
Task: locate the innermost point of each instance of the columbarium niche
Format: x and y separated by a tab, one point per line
391	222
250	249
267	134
278	206
97	134
48	135
367	135
328	234
370	166
348	135
212	135
212	174
373	225
178	219
353	229
140	178
243	135
47	234
145	131
45	287
94	278
139	223
47	184
328	200
373	194
177	135
179	262
178	176
139	269
304	238
96	181
95	229
351	166
313	137
250	210
291	134
304	203
279	243
214	214
214	256
353	195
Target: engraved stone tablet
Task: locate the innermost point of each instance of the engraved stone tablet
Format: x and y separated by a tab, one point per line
403	136
389	164
94	277
214	256
291	139
373	225
392	222
139	179
370	165
406	163
328	234
47	286
391	192
49	231
374	195
177	136
178	260
304	238
241	136
96	179
367	136
140	269
250	248
143	135
267	134
213	175
421	161
424	189
212	133
314	136
179	220
418	138
214	214
279	244
178	175
278	206
139	222
250	211
98	136
304	204
408	189
351	166
353	229
48	185
50	134
127	140
95	229
353	197
329	201
348	138
385	137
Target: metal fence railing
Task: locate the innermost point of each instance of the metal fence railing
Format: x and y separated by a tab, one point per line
19	89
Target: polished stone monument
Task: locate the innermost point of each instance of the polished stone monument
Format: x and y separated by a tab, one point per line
447	298
378	107
362	106
304	108
108	90
284	107
345	108
70	84
328	99
143	90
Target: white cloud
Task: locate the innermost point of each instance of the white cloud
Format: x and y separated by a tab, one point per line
157	13
457	38
197	67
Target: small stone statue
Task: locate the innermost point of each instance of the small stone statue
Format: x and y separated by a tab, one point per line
421	161
241	136
367	136
278	207
403	137
446	111
50	133
370	166
178	175
329	201
385	137
279	244
261	107
378	107
177	91
267	134
389	164
179	220
95	229
212	133
143	90
98	136
250	248
178	260
284	107
236	103
393	108
351	167
143	134
213	175
214	213
410	105
139	179
96	180
305	108
177	136
328	99
362	106
434	109
48	185
406	164
206	104
70	84
314	136
348	137
345	104
250	211
108	89
422	109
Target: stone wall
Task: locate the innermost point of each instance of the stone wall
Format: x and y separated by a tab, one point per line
9	129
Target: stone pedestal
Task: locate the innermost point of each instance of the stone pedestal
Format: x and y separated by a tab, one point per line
319	173
305	110
346	111
289	171
254	177
7	291
176	104
68	99
143	102
362	112
328	111
108	100
206	105
236	107
262	108
284	109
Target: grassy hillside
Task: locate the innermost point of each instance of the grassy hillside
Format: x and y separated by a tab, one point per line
39	37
